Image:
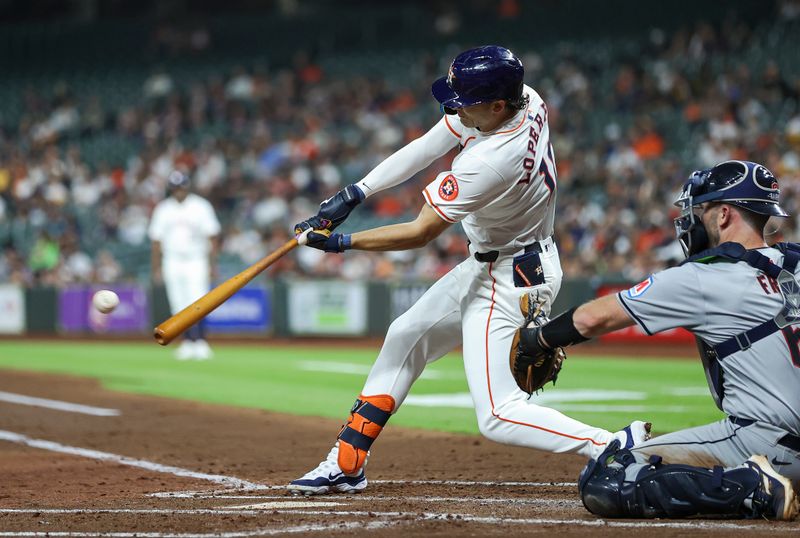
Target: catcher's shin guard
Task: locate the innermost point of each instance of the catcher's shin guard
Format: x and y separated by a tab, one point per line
614	485
367	418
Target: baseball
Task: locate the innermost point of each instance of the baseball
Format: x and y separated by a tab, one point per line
105	301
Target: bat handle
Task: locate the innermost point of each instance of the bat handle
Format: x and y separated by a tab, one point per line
302	238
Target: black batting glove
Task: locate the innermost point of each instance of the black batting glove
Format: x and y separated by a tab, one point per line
333	211
334	242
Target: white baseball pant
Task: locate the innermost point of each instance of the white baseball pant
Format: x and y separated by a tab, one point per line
476	304
186	281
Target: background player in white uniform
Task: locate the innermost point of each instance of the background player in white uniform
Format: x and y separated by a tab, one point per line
742	301
183	231
502	188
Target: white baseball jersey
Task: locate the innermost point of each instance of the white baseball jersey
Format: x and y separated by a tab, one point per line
502	188
502	184
184	228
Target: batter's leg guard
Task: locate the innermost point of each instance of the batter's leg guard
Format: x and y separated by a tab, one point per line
367	418
614	485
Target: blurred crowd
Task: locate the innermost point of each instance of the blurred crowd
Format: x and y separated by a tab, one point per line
266	146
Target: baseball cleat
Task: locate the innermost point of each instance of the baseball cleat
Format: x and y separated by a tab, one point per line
635	434
328	478
202	351
185	351
774	498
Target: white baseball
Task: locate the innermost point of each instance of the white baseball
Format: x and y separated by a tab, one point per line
105	301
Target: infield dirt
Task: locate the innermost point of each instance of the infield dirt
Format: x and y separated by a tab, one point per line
423	483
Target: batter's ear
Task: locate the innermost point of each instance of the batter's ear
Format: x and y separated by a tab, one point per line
499	106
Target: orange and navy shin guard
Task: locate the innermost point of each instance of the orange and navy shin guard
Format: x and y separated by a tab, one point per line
367	418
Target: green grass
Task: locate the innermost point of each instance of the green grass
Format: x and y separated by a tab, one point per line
670	392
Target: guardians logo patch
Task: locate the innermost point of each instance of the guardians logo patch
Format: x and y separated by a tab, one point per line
640	288
448	189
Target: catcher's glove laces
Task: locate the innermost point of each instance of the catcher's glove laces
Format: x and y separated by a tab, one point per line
533	362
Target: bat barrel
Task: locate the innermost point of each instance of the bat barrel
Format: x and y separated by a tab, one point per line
173	327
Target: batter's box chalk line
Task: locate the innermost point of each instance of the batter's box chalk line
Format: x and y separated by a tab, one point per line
234	490
404	517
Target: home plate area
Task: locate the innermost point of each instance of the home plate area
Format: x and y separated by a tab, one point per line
164	468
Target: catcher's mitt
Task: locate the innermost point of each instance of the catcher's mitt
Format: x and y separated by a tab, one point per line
533	364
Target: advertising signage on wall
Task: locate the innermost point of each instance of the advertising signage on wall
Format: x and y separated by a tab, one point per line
76	314
248	311
12	309
327	307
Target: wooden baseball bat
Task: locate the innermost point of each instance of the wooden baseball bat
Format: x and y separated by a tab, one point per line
174	326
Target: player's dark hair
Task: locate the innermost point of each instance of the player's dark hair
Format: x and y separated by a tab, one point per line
518	103
757	221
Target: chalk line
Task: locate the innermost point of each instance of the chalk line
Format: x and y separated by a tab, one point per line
406	516
124	460
58	405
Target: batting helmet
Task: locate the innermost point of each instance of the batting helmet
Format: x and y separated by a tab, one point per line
480	75
745	184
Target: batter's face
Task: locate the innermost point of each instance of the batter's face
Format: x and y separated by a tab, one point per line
484	116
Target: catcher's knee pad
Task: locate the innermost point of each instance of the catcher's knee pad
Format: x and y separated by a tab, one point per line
615	486
367	418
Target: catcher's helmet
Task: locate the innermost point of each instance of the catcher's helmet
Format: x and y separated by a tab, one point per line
480	75
745	184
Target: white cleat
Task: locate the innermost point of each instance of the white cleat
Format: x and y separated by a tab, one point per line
202	351
185	351
637	433
328	478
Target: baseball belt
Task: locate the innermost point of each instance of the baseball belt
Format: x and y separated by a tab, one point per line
789	440
492	255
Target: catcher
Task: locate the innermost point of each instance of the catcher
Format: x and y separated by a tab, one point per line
741	299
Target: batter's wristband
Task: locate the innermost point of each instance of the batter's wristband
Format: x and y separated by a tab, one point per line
561	331
346	242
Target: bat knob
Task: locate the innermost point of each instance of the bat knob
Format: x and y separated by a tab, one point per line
158	334
302	238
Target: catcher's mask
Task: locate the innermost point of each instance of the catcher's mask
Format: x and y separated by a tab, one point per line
746	184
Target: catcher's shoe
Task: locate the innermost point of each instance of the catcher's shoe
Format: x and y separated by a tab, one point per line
328	478
367	418
774	498
635	434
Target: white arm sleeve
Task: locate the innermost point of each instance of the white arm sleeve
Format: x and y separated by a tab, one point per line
412	157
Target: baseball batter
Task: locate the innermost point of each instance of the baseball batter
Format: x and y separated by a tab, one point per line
183	231
502	188
741	299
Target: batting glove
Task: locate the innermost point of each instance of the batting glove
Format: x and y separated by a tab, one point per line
334	242
333	211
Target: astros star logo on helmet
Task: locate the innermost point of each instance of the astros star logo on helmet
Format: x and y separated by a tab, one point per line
450	76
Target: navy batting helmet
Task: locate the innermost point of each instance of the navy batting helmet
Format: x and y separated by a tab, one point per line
480	75
745	184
